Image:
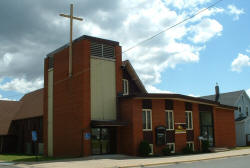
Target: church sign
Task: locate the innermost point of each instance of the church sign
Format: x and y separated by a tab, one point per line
180	128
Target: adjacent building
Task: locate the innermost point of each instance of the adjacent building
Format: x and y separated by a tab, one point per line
17	121
241	100
104	107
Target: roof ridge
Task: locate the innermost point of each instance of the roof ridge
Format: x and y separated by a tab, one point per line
225	93
32	92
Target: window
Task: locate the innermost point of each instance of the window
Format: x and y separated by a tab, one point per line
152	149
125	86
170	120
189	120
171	146
246	110
239	109
147	119
190	144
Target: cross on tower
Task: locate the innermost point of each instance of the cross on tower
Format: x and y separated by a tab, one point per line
71	32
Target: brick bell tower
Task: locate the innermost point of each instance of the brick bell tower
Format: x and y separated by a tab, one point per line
77	105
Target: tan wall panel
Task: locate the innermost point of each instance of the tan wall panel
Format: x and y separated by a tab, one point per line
103	89
50	113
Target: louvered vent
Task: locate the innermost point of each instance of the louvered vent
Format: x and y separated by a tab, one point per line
102	50
50	62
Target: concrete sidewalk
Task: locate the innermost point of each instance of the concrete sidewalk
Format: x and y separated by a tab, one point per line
111	161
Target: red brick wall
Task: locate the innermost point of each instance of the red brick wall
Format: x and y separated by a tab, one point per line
179	117
71	98
118	54
158	118
224	127
196	125
131	135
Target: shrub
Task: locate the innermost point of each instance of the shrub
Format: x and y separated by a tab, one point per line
166	151
205	146
144	148
187	150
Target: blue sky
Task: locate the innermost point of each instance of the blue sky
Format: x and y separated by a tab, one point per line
215	61
188	59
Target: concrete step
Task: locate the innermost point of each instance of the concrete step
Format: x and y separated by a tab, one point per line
213	149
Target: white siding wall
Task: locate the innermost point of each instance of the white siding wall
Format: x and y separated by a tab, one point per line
242	127
50	113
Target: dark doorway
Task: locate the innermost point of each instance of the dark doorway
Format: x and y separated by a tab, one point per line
103	140
207	126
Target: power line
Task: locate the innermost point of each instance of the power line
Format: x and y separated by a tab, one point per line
190	17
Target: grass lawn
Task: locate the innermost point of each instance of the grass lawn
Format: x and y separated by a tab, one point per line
25	158
242	147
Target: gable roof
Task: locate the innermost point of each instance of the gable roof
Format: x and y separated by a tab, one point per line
229	98
8	110
32	105
134	75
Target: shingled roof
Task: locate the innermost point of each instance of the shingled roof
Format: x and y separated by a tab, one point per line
8	110
134	75
32	105
226	98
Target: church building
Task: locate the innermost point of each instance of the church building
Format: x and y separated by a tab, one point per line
103	107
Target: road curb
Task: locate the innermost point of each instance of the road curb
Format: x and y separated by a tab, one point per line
176	162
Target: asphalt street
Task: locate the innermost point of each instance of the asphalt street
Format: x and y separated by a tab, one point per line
231	162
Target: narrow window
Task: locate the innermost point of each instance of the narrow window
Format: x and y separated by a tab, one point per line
189	120
190	144
169	120
247	111
147	119
239	109
171	146
125	86
152	149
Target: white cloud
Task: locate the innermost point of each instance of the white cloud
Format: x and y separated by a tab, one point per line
248	49
233	10
182	4
21	85
193	95
126	21
240	62
207	13
152	89
205	30
3	98
248	92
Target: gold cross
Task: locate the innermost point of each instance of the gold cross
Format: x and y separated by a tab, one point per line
71	32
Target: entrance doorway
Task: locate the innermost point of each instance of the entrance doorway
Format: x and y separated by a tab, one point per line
103	141
207	126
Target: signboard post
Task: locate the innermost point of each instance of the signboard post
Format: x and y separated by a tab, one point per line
34	139
87	136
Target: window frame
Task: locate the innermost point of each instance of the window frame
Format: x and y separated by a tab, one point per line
152	149
125	84
172	143
168	124
191	142
191	120
147	110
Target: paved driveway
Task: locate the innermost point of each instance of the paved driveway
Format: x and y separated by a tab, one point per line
232	162
111	161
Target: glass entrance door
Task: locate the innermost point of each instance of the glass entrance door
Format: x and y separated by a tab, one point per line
207	127
100	141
